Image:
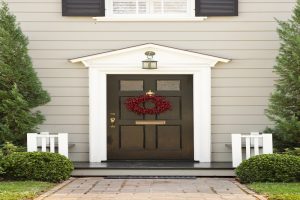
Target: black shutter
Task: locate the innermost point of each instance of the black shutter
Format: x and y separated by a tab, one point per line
83	8
216	7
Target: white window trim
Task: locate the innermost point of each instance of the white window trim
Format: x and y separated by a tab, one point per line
109	16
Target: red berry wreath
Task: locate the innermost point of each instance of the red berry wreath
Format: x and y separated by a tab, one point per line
160	104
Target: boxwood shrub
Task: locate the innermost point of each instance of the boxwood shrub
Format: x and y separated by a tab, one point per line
40	166
269	168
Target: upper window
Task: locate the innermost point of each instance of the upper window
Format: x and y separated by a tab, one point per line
149	8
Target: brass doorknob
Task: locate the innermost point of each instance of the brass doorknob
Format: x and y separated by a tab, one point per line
112	122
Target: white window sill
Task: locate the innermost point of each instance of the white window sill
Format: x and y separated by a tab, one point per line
149	19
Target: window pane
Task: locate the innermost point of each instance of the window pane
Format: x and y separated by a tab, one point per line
130	7
170	85
136	85
160	7
170	6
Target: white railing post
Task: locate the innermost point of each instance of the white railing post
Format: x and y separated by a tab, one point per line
52	144
236	149
248	147
255	142
267	144
31	142
63	144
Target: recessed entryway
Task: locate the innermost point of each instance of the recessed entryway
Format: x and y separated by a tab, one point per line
129	61
170	140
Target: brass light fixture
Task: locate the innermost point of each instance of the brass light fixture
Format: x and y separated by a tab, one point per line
149	63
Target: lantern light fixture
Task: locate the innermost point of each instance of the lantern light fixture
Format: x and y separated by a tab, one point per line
149	63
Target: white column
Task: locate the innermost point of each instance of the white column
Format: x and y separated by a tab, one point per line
63	146
31	142
236	142
97	115
267	144
202	115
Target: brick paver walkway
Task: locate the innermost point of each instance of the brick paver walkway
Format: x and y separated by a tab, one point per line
150	189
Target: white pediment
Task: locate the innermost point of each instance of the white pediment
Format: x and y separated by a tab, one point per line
132	57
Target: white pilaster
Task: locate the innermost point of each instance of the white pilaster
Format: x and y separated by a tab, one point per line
97	114
202	115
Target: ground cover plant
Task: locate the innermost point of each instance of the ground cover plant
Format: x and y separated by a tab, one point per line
278	191
22	190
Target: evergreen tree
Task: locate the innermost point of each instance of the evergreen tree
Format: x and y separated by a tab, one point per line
284	105
16	117
20	88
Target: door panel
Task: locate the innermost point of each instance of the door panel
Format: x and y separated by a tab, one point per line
170	141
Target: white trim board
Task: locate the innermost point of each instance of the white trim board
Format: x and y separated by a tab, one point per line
170	61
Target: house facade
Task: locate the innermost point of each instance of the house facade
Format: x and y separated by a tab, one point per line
214	67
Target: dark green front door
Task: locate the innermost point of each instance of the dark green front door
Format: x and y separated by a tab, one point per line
130	139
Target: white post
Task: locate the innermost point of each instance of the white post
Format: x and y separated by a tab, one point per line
52	144
31	142
63	144
248	148
44	145
267	144
236	140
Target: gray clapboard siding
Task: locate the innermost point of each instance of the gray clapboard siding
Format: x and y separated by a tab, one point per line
241	92
80	147
220	148
235	128
240	89
64	110
234	64
239	119
217	72
69	101
238	110
221	157
243	17
221	138
67	119
55	64
241	101
65	82
65	128
154	36
205	45
150	26
80	157
79	138
67	92
222	72
243	82
67	73
234	54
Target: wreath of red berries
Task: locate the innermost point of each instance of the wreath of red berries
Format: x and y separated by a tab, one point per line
160	104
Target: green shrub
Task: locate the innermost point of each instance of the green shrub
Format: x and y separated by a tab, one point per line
40	166
295	151
269	168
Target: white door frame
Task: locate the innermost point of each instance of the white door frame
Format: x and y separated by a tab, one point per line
170	61
98	110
